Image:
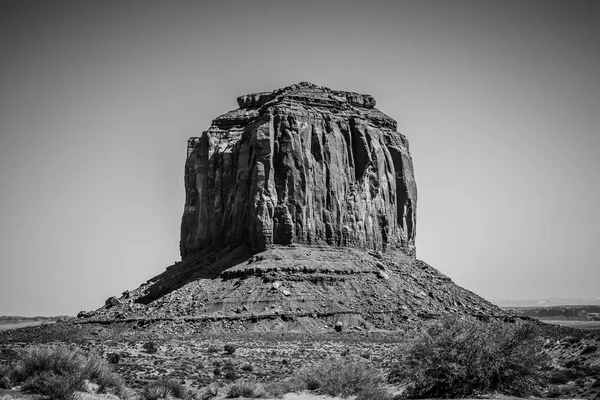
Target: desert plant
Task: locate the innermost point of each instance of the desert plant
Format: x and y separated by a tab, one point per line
57	372
229	370
5	372
230	348
247	367
150	347
113	358
589	349
211	391
454	358
230	374
339	377
279	389
247	389
156	393
161	387
213	349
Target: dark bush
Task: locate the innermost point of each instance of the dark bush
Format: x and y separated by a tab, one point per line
5	372
150	348
571	364
230	374
589	349
213	349
163	388
455	358
247	367
249	390
58	372
113	358
230	348
340	377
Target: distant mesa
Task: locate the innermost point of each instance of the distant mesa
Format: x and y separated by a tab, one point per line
300	213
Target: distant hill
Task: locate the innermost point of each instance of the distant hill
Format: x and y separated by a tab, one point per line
552	302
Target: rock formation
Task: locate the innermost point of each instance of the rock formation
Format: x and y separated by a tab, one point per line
304	164
300	213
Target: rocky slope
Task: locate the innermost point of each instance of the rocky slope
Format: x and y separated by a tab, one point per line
300	213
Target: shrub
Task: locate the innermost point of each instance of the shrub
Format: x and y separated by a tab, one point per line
211	391
164	388
247	389
230	348
589	349
5	371
278	389
230	374
113	358
57	372
213	349
465	358
150	347
247	367
339	377
156	393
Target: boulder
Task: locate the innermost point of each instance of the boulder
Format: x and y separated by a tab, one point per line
112	302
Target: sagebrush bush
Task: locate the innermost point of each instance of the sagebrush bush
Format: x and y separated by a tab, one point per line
454	358
5	372
57	372
340	377
151	347
247	389
230	348
589	349
279	389
164	388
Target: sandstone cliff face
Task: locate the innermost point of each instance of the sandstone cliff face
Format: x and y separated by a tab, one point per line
304	164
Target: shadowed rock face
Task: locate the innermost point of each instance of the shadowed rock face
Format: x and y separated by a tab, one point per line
304	164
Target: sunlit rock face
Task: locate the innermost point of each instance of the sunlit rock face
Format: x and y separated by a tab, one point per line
304	164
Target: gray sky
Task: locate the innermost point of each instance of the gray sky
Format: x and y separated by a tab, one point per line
500	101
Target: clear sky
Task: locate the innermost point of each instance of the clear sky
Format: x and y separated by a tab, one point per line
500	101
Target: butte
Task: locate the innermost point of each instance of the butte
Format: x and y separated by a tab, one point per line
300	214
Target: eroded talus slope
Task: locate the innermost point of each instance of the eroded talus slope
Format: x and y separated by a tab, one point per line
304	287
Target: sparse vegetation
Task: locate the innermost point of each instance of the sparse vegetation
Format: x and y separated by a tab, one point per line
247	367
165	389
57	372
213	349
113	358
5	377
589	349
250	390
340	377
150	347
230	348
278	389
455	358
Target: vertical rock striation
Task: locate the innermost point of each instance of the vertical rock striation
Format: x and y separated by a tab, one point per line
304	164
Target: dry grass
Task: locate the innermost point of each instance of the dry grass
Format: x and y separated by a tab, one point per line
58	372
341	377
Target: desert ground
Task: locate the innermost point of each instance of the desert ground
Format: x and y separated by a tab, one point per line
199	359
